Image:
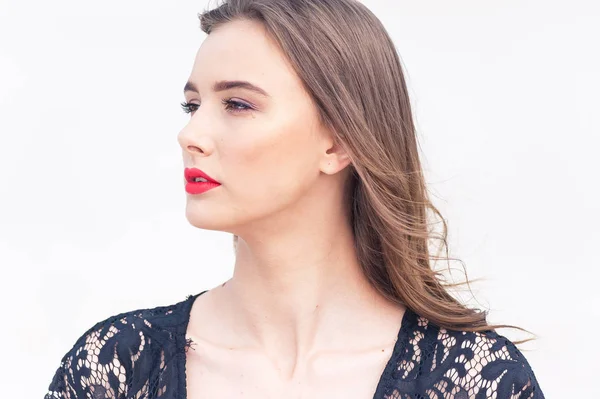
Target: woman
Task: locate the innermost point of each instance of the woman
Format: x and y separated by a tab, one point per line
301	144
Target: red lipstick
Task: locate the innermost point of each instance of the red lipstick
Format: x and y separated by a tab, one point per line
198	182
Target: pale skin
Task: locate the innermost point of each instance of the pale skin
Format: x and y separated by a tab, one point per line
298	319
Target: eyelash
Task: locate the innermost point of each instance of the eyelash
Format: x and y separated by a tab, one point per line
187	107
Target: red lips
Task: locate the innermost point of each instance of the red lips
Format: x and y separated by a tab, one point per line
192	173
195	186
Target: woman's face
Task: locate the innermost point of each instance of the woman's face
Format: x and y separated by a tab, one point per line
266	149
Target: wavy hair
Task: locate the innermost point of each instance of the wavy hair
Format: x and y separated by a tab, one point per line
349	65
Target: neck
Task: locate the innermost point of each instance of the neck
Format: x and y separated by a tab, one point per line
302	291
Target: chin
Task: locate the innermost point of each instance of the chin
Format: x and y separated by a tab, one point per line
203	217
202	220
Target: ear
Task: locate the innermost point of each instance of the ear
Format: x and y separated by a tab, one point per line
335	157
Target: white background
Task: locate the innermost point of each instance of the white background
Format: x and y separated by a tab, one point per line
92	223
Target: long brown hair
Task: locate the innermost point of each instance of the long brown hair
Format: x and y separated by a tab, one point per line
349	66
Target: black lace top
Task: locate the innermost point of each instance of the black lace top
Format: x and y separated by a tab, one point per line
141	354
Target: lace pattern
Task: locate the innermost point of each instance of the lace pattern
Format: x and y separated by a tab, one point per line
141	355
434	363
131	355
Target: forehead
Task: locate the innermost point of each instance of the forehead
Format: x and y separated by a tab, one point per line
242	50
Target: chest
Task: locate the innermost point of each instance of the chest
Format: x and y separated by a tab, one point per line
217	375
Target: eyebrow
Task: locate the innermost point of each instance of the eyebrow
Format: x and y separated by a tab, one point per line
226	85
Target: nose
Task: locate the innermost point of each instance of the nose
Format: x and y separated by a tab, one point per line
194	143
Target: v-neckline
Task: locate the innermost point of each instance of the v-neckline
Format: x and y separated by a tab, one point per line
388	372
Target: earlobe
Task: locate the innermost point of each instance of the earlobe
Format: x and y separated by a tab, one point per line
336	160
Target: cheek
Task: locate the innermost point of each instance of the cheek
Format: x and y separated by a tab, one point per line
270	169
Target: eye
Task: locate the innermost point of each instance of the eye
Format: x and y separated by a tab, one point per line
189	107
230	105
235	106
